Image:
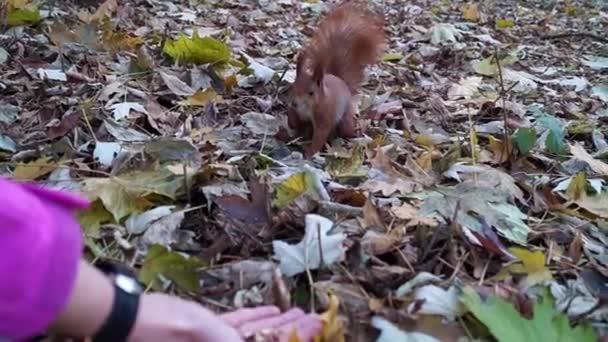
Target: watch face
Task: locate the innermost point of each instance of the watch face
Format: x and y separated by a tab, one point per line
127	284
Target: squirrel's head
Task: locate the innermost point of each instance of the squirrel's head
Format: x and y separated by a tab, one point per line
308	86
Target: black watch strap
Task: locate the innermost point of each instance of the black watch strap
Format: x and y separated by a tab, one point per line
121	319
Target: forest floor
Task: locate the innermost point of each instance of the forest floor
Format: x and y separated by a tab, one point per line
472	207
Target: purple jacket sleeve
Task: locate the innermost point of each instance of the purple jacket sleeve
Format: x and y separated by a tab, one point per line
40	246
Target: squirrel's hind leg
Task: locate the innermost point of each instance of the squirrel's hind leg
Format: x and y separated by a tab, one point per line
347	128
319	138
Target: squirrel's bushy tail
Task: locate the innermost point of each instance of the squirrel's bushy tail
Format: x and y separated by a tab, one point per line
348	39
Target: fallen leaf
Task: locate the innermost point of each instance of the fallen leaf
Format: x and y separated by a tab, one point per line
172	265
390	333
578	151
201	98
504	23
162	231
121	110
197	50
292	188
138	223
35	169
332	330
470	12
506	324
317	242
177	86
466	88
531	264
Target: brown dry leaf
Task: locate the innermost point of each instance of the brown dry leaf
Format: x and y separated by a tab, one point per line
201	98
255	211
371	217
578	151
597	205
389	187
375	243
104	10
501	151
410	213
470	12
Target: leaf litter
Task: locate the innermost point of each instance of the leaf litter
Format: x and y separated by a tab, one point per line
476	195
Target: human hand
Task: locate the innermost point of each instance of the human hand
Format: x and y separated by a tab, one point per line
269	321
167	318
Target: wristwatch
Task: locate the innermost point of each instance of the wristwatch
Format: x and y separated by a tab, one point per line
127	291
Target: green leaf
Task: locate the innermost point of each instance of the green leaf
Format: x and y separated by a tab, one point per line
554	142
507	325
173	266
23	16
91	219
525	138
197	50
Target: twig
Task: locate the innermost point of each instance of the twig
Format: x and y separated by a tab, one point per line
503	93
86	120
576	34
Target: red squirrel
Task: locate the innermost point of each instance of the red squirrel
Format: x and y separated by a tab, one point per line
329	72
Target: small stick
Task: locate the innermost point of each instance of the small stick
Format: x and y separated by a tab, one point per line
576	34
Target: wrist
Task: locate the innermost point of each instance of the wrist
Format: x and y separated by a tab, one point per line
120	321
89	304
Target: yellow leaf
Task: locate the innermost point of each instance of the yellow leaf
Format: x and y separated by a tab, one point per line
332	326
119	41
230	82
200	98
425	161
197	50
293	187
35	169
578	185
530	263
424	140
470	12
392	57
504	23
500	151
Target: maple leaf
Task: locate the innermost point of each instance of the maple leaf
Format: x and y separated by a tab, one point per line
506	324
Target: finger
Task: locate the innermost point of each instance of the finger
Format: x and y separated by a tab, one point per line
289	316
242	316
306	327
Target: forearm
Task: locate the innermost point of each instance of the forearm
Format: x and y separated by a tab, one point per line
89	304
